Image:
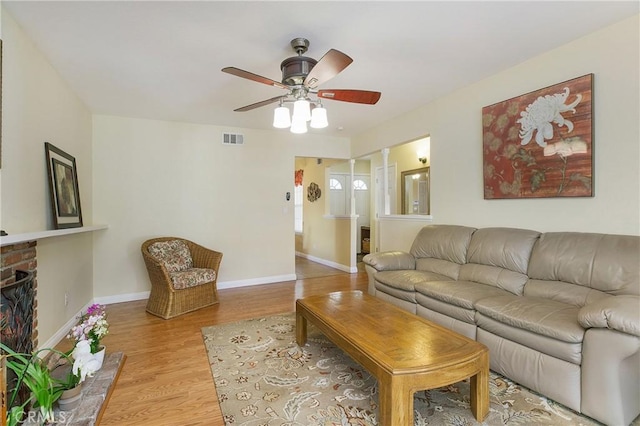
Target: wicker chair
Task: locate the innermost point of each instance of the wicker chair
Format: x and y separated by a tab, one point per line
166	300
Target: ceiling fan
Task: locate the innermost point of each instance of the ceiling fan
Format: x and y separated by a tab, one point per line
301	77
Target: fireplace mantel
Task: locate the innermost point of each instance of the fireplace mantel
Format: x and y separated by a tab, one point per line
38	235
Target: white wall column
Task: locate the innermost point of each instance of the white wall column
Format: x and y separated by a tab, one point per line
352	193
385	181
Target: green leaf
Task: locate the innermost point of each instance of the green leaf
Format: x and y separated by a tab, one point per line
584	180
526	157
537	178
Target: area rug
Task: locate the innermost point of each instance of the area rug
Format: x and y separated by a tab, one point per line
263	378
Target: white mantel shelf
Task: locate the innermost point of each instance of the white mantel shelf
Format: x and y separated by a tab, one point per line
34	236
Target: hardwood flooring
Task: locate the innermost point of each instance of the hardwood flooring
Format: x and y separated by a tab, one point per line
166	379
306	268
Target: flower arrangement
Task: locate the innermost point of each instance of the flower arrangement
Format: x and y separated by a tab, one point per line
84	363
92	327
44	383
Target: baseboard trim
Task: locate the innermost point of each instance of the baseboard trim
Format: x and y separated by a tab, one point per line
256	281
119	298
63	331
344	268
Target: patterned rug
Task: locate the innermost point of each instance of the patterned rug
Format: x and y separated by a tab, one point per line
263	378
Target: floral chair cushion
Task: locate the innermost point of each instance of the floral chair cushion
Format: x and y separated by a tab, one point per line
191	277
174	254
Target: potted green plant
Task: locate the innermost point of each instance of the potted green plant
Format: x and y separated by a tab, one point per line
31	371
61	383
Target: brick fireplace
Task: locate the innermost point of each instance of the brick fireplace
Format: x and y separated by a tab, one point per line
18	309
16	259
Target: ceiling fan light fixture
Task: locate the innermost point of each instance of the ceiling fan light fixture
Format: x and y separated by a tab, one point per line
298	126
301	76
319	117
302	110
281	118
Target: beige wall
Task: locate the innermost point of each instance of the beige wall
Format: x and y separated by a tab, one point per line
38	106
154	178
454	124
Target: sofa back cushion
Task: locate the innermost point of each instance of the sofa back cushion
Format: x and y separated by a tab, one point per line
438	266
441	248
602	264
571	294
499	257
174	254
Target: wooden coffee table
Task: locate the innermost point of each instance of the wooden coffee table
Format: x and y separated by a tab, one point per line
404	352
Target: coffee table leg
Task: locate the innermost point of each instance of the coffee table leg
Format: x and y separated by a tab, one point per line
480	391
395	403
301	329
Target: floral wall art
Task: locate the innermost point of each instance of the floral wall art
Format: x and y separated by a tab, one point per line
540	144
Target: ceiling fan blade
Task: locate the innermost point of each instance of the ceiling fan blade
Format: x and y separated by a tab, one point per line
355	96
330	65
259	104
254	77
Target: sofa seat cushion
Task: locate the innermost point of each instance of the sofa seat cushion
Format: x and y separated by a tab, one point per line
406	280
541	316
398	293
191	277
401	284
570	352
458	293
443	308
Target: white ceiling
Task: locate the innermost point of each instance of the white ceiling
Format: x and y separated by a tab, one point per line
162	60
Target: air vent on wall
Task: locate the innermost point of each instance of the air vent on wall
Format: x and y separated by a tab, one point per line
232	139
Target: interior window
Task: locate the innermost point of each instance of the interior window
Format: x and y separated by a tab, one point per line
335	184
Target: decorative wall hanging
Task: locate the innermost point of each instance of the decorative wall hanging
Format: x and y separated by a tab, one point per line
540	144
313	192
63	188
298	177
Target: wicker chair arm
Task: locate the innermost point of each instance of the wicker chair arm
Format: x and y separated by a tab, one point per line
204	257
158	274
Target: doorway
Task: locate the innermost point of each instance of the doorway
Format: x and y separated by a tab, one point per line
327	233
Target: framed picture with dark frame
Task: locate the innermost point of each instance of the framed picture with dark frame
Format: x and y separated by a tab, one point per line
63	188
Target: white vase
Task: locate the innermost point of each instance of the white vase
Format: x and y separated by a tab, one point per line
99	356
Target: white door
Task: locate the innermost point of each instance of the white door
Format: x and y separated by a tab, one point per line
362	185
338	203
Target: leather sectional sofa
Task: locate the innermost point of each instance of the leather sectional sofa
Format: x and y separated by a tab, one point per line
559	311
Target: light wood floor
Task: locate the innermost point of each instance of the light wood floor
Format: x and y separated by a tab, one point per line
305	268
166	379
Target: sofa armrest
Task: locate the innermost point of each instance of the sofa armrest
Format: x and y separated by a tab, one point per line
390	261
621	313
